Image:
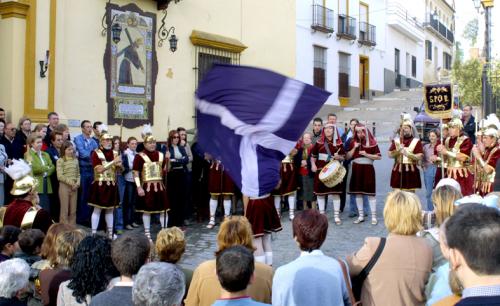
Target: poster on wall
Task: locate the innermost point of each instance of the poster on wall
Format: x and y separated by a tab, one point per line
438	100
130	65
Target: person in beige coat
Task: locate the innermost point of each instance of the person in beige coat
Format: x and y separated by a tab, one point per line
205	288
401	272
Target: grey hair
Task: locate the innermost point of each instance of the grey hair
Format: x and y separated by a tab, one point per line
158	284
14	276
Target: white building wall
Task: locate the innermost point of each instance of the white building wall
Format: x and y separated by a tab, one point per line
307	38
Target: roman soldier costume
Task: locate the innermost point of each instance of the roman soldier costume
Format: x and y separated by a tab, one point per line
406	150
24	212
485	164
149	169
103	193
457	157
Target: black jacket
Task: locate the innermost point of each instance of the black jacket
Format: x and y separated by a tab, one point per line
470	129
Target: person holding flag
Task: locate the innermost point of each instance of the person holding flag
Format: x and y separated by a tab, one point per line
251	118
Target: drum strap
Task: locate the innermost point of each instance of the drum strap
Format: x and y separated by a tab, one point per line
327	148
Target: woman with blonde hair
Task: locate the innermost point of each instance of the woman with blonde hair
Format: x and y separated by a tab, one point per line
170	246
50	279
402	261
443	199
205	287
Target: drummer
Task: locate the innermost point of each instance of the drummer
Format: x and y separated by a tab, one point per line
363	150
324	151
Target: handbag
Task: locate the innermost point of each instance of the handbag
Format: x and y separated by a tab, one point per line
357	281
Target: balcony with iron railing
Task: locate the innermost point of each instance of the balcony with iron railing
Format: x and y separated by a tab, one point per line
322	19
404	22
367	34
346	27
439	28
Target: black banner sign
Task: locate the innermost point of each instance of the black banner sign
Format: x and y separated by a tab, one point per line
438	100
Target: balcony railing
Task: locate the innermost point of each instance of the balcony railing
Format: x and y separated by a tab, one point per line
322	19
440	28
347	27
367	34
450	36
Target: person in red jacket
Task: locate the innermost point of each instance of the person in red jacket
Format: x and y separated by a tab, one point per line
24	211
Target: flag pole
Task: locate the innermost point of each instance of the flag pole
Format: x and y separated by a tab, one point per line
442	143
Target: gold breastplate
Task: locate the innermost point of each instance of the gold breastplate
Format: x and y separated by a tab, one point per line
452	162
109	175
405	160
151	171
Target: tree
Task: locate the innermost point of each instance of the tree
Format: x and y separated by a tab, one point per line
468	77
470	31
459	52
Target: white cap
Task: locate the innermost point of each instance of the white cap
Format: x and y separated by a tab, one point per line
449	182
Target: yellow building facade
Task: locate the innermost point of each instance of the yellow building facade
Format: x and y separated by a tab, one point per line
257	33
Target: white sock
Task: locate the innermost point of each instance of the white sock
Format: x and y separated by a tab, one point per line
336	205
359	205
291	202
146	219
277	204
108	216
94	221
373	206
269	258
164	219
227	208
321	204
213	207
261	259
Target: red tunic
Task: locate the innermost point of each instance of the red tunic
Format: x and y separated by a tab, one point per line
362	176
320	148
155	199
263	216
288	175
490	157
103	194
219	181
466	181
16	210
409	177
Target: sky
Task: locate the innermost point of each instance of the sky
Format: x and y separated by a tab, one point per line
464	12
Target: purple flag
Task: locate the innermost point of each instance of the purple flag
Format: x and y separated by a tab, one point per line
250	118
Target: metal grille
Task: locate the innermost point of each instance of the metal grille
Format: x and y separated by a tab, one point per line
206	57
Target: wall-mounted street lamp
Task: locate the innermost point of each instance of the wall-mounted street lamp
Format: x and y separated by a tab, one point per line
44	65
116	31
163	34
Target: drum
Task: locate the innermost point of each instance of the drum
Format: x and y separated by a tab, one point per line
332	174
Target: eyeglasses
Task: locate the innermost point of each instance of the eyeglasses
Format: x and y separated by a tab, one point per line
174	137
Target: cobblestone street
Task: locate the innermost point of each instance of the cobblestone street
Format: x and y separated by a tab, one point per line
341	240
